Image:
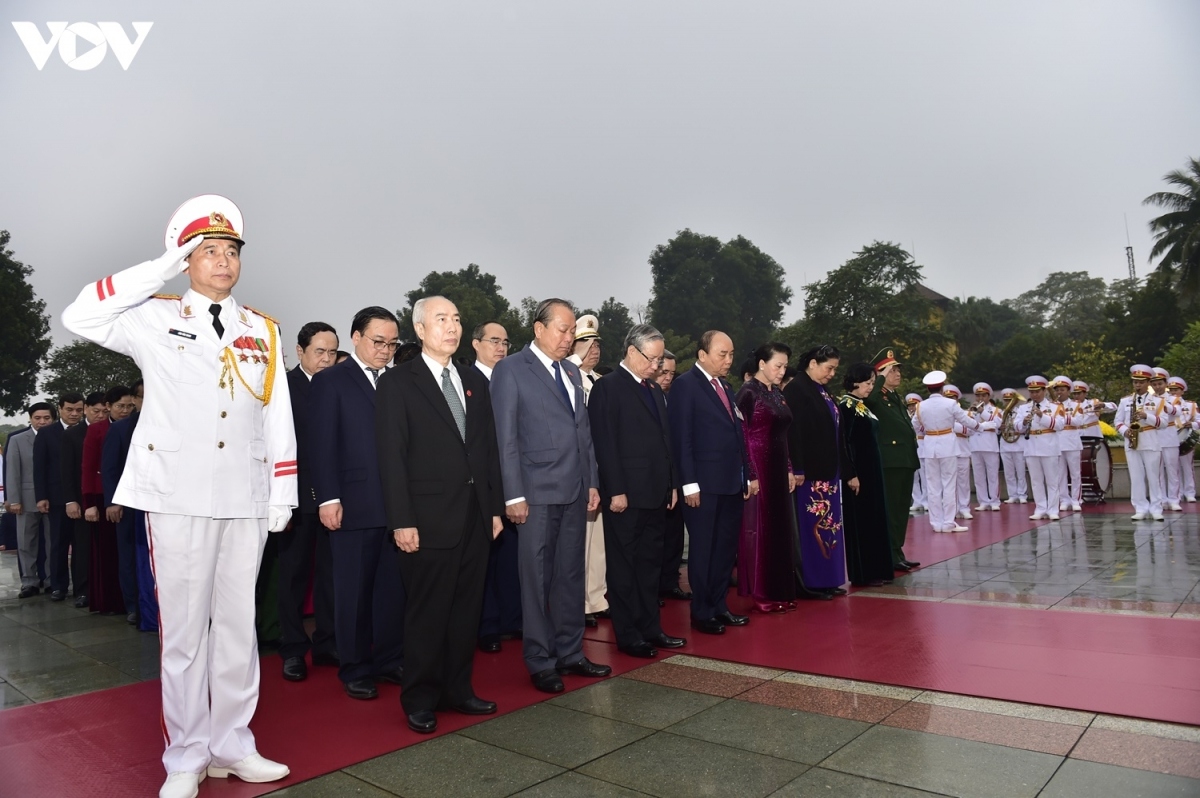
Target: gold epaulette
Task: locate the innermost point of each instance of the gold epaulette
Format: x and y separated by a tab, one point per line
258	312
165	296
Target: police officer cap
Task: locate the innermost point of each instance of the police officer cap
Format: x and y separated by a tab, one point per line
587	328
209	215
1036	382
934	378
982	387
912	398
952	391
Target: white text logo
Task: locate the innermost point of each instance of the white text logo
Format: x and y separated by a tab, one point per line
100	36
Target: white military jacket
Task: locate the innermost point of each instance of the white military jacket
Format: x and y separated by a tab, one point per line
986	439
215	438
1148	440
1042	440
935	419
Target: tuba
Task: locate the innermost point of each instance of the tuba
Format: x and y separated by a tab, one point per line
1008	425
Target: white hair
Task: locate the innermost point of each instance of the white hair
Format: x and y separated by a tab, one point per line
418	311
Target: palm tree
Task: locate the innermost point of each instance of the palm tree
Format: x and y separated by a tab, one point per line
1177	232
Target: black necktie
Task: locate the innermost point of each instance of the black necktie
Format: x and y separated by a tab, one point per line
648	398
215	310
374	375
562	386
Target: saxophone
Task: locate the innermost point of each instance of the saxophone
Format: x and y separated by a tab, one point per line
1008	425
1135	426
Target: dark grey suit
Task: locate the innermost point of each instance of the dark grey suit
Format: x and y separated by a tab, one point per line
546	457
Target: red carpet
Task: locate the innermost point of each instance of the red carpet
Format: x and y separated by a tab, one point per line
107	743
927	547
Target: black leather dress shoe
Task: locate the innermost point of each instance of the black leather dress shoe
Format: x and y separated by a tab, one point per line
391	677
589	620
710	626
676	593
666	641
837	591
423	721
912	563
329	658
902	566
476	706
363	689
729	619
295	669
605	614
32	590
490	644
132	619
81	601
642	649
548	681
57	595
511	634
585	667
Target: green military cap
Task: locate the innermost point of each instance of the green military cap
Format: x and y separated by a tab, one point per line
885	358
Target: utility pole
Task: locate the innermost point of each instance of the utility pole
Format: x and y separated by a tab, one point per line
1129	251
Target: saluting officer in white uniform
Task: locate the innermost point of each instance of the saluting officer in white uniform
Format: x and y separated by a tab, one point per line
962	473
918	493
1012	453
1188	423
934	419
213	464
1145	460
985	448
1040	422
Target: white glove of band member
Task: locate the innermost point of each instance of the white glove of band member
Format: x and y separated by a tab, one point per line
278	517
172	262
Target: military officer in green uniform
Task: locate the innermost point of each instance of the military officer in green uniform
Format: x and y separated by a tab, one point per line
897	449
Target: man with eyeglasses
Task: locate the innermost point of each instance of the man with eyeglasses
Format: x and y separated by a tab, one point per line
501	618
368	596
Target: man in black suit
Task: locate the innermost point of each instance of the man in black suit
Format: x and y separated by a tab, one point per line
47	485
638	484
71	462
368	596
550	485
441	485
501	618
305	539
710	452
673	539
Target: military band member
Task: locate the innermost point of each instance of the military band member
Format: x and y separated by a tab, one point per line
1012	452
1138	419
985	448
1188	422
213	463
935	418
918	491
1070	445
962	478
1040	422
1168	435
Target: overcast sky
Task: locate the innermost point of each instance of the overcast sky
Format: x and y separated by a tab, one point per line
557	143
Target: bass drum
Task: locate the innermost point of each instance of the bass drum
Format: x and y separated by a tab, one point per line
1096	470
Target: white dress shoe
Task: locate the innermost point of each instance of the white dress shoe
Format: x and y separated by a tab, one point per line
957	528
1138	516
981	508
1011	500
1190	499
1035	517
1159	517
1076	508
253	768
1053	516
995	508
1175	507
966	514
1062	508
181	785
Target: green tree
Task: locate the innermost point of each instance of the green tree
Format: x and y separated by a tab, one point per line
1183	359
872	301
1144	322
1103	368
1177	232
1066	302
980	324
84	367
477	296
701	284
24	332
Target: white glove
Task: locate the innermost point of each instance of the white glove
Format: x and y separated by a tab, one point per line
278	517
172	261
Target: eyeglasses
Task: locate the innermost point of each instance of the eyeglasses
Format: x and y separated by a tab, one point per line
497	342
382	345
654	361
